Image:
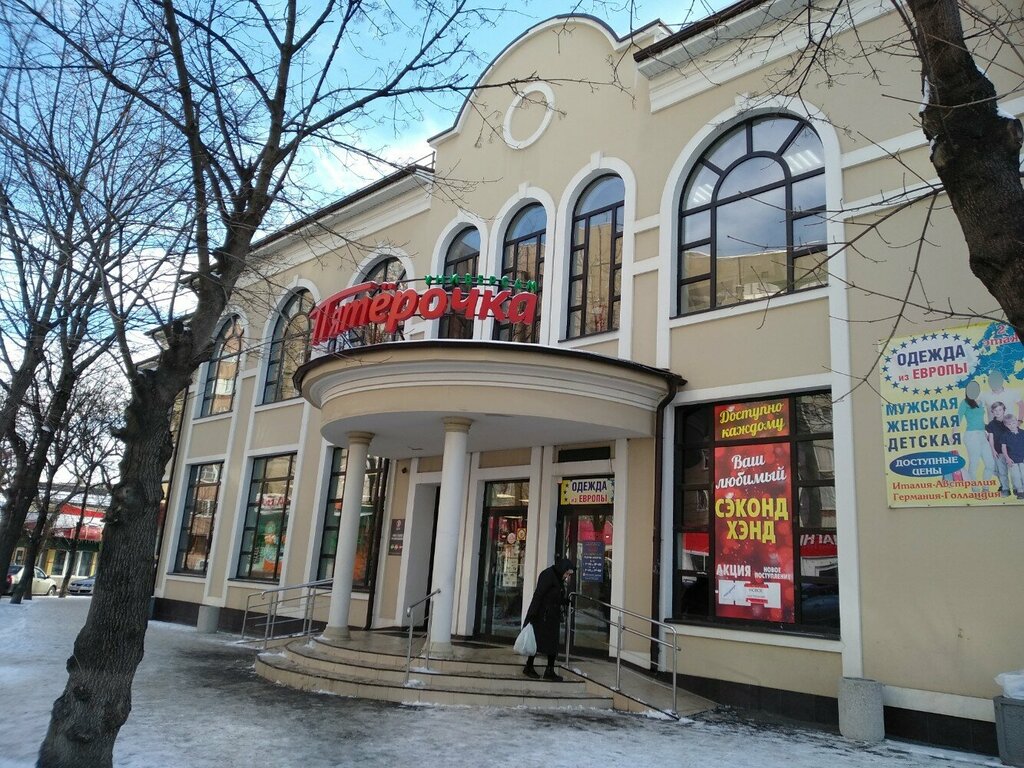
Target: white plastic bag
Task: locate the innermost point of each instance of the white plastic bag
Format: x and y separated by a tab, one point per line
1012	683
526	643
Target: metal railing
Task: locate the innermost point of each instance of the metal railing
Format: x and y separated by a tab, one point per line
574	599
271	621
426	646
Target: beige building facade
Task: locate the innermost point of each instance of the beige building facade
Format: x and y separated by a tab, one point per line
663	353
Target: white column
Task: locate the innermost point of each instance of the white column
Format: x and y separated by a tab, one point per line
454	467
348	534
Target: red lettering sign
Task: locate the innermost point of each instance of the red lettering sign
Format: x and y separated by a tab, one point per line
386	304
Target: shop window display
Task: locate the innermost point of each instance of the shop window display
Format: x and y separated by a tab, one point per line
502	558
371	513
755	520
266	518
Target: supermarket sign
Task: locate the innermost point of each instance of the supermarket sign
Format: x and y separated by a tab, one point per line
391	304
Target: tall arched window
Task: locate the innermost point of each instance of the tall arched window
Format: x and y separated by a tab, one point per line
219	388
595	264
752	216
461	259
523	259
289	347
388	270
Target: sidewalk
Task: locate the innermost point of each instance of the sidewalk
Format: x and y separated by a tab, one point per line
198	704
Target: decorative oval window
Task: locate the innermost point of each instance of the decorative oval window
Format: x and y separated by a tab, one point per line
528	115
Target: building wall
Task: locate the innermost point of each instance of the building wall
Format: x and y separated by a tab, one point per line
924	602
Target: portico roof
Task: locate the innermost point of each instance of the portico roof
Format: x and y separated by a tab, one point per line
516	395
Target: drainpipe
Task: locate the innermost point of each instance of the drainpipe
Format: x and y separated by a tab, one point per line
674	382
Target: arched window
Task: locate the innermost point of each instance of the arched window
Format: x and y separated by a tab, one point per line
461	259
219	388
289	347
388	270
523	259
595	265
752	216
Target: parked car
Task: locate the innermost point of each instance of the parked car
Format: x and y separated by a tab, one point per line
41	583
82	586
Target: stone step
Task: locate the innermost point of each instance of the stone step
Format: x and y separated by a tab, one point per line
498	661
281	669
481	677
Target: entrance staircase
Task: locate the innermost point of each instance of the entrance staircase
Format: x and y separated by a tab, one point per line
372	665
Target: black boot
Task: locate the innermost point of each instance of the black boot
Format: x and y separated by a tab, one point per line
529	671
549	674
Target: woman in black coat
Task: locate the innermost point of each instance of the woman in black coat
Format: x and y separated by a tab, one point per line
545	614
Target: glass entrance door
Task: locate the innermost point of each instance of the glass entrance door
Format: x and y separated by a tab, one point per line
502	550
585	536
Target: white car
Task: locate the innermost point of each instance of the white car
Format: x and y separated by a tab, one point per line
41	584
82	586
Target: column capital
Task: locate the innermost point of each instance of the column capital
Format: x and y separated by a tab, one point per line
456	424
359	437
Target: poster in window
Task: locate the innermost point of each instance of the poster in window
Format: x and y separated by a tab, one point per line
754	533
952	409
592	561
748	421
396	537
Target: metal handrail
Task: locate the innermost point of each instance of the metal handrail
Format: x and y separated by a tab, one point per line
618	644
275	603
426	647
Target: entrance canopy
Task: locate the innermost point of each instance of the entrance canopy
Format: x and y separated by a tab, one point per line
515	395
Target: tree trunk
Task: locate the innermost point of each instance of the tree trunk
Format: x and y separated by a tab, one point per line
23	590
976	152
24	486
97	698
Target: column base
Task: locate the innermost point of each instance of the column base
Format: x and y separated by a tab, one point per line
209	617
441	650
336	633
861	713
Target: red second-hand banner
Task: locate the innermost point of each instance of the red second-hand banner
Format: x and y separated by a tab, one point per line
754	533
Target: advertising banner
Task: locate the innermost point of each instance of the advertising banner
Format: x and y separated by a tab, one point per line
754	576
743	421
952	404
587	490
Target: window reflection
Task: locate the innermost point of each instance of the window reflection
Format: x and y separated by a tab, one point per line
289	347
523	260
461	259
594	287
752	213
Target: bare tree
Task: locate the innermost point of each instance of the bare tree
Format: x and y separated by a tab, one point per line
80	446
75	159
245	88
60	447
95	418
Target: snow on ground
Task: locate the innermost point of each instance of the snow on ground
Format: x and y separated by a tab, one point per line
197	704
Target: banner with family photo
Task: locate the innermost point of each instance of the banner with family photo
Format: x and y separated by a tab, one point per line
953	417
